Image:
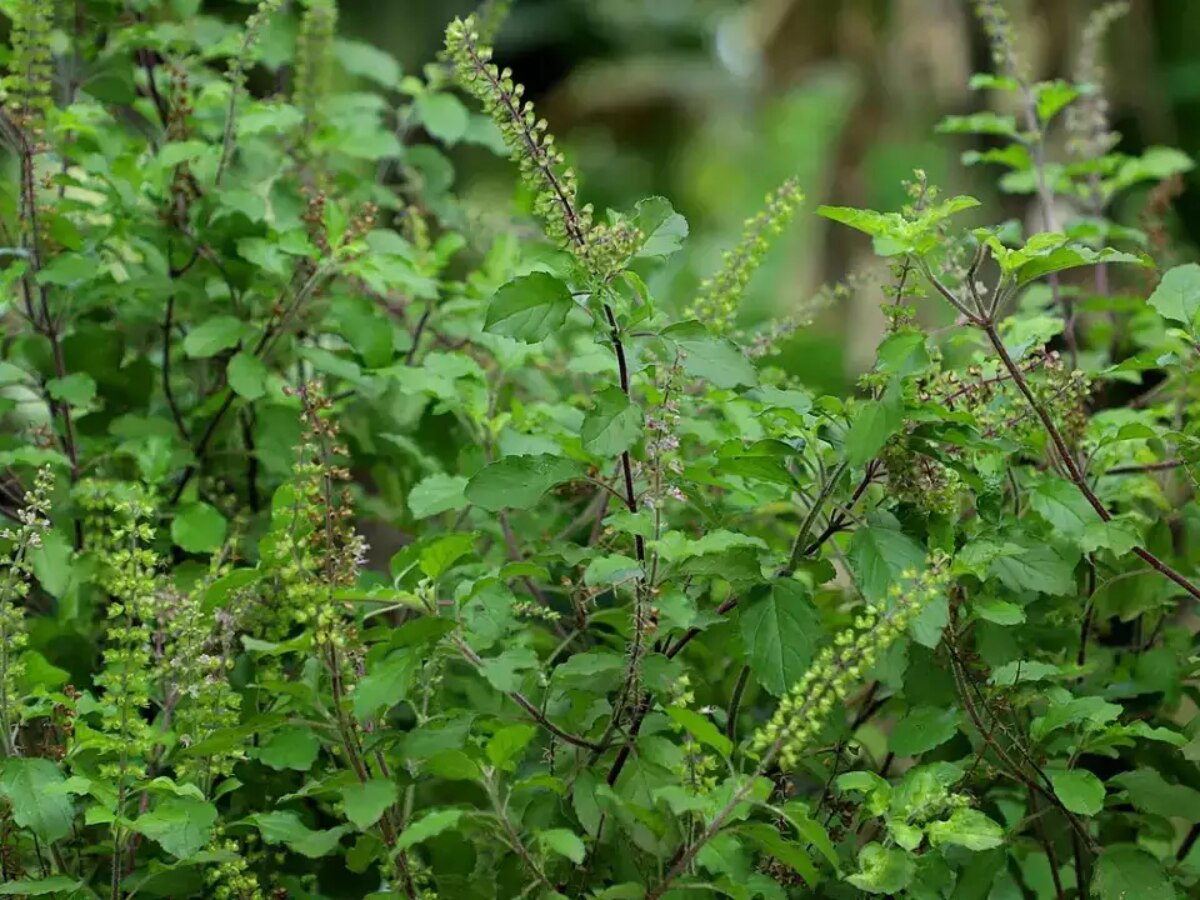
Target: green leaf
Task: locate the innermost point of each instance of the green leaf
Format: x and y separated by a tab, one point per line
1126	873
76	389
966	828
1151	793
518	482
367	61
714	359
385	684
701	728
430	825
1063	507
874	422
28	785
182	826
780	632
883	870
564	843
443	116
442	553
40	887
503	671
923	728
662	228
529	308
247	375
1177	296
506	746
366	802
1079	790
214	335
295	747
437	494
610	570
1028	565
879	553
613	425
199	528
285	827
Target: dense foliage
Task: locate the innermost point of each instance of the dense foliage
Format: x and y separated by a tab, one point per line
659	621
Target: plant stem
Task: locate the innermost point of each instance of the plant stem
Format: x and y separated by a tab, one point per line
1068	460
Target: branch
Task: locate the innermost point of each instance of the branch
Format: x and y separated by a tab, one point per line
1060	445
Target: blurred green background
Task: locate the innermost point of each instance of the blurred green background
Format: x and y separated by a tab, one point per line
713	102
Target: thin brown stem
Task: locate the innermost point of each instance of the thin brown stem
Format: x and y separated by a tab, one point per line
1068	460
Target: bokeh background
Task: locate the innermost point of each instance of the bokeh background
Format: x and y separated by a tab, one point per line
712	103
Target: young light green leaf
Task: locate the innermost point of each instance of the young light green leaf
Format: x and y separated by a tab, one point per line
285	827
663	229
883	870
1177	296
435	494
564	843
968	828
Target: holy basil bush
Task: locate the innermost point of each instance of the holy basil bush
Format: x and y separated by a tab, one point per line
662	622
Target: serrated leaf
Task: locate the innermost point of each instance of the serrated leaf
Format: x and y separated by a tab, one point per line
564	843
613	425
214	335
41	887
1126	873
199	528
28	785
284	827
662	228
430	825
77	389
715	359
968	828
443	115
874	422
182	826
504	748
1177	296
366	802
386	683
883	870
923	728
780	632
1079	790
701	728
529	308
295	747
518	482
437	494
247	375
